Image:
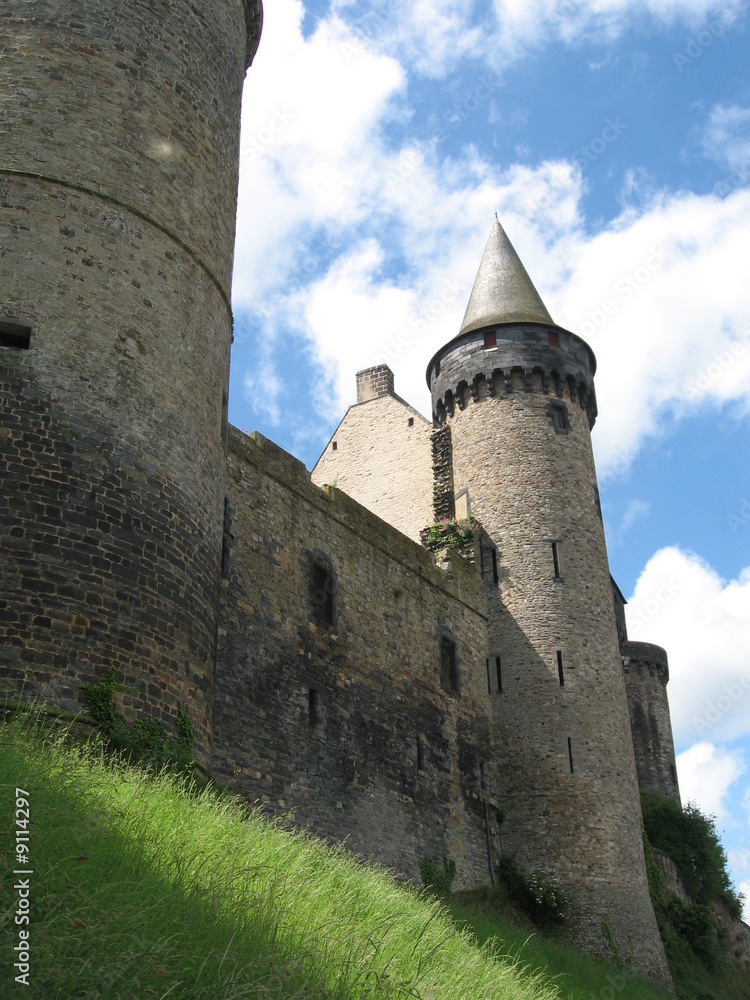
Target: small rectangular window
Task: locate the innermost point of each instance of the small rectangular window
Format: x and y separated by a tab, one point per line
553	339
560	672
15	335
321	592
411	421
420	755
556	560
570	754
558	415
312	707
499	674
490	341
334	446
448	670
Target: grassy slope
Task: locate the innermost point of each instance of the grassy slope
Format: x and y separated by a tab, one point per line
142	890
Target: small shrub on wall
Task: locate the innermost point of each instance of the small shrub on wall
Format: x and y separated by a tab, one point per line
143	739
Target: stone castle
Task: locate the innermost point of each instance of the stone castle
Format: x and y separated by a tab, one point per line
333	668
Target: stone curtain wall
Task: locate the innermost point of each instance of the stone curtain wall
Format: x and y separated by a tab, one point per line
382	756
383	462
119	143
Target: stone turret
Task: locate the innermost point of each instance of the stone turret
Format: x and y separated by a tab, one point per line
117	224
517	393
646	671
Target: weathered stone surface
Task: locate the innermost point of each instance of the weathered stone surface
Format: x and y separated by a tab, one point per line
564	765
333	672
119	152
391	761
381	455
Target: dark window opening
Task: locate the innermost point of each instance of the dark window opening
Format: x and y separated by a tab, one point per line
420	755
15	335
312	707
489	682
499	674
448	669
556	560
553	339
490	341
411	421
560	672
559	415
570	754
488	561
335	446
321	592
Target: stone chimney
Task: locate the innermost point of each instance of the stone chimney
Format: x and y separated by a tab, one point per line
374	382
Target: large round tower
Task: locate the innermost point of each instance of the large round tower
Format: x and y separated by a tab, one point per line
517	393
119	151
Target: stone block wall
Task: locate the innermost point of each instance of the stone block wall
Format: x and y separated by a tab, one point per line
381	455
646	677
339	712
565	767
119	150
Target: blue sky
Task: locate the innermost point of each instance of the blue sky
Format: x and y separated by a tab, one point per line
612	138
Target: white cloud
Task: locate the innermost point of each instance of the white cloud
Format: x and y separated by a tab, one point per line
704	622
352	241
433	37
660	296
706	773
726	138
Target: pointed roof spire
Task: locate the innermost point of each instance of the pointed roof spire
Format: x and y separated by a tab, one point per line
503	292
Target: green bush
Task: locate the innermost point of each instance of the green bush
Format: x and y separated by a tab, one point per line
695	923
691	841
142	739
451	532
435	879
538	894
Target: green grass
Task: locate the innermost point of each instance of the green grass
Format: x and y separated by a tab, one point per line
576	975
143	888
140	889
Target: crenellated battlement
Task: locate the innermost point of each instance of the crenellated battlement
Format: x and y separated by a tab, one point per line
500	360
646	656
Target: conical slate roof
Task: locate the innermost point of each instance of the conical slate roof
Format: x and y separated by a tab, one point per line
503	292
